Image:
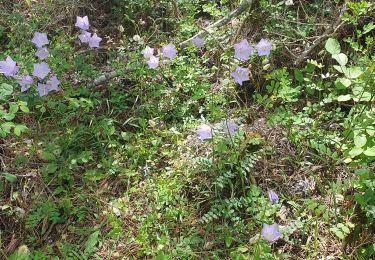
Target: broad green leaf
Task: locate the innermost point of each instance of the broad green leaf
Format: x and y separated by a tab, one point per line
341	58
370	151
18	129
7	126
339	68
13	108
5	90
8	176
353	72
343	98
333	46
9	116
355	151
342	83
24	109
360	140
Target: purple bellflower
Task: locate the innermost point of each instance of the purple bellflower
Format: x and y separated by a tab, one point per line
8	67
94	41
43	89
242	50
148	52
204	132
41	70
53	83
82	23
40	39
273	197
84	37
264	47
240	75
153	62
271	232
169	51
42	53
24	81
229	127
199	42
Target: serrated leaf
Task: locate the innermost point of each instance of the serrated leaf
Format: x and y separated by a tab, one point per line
341	58
333	46
5	90
343	98
90	244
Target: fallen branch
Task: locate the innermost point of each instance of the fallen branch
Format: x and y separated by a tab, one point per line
113	74
242	8
331	30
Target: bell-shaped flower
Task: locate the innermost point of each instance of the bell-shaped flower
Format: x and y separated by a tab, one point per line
42	53
273	197
240	75
204	132
41	70
199	42
229	127
153	62
94	41
271	232
8	67
169	50
43	89
148	52
242	50
82	23
53	83
264	47
25	81
84	37
40	39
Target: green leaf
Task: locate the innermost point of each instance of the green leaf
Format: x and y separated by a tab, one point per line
353	72
18	129
90	244
9	116
341	58
339	68
24	109
355	151
13	108
343	98
370	151
368	28
5	90
333	46
360	140
342	83
48	156
8	176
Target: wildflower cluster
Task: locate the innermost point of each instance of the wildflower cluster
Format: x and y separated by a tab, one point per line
242	52
169	51
9	67
86	37
206	132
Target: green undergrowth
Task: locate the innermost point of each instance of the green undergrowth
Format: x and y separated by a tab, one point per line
117	171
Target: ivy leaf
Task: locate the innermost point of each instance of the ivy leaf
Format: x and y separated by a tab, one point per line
5	90
333	46
341	58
